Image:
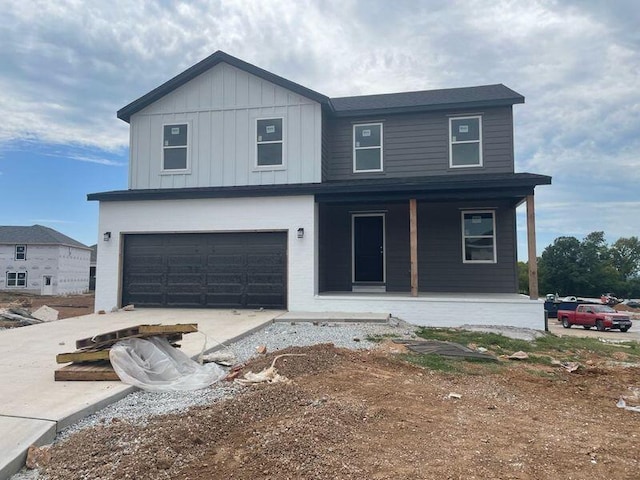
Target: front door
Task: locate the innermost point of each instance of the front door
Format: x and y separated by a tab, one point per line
47	285
368	248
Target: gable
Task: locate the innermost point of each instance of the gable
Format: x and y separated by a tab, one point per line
224	87
207	64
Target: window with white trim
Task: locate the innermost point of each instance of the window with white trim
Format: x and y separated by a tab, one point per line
269	142
479	236
21	252
16	279
175	147
367	147
465	141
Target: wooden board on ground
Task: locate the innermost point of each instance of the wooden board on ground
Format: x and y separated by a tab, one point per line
94	371
139	331
447	349
98	354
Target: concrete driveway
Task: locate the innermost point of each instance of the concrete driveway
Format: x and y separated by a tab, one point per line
556	328
33	407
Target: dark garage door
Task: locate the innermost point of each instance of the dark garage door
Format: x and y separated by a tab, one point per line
224	270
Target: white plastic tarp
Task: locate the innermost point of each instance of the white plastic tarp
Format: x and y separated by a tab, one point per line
153	364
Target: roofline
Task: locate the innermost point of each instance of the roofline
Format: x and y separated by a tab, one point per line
427	108
47	243
212	60
398	185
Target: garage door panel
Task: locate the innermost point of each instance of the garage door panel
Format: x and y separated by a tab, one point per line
225	270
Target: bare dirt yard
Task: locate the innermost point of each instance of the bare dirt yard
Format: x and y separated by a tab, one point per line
376	415
67	305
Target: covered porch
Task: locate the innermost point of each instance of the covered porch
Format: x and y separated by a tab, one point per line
427	245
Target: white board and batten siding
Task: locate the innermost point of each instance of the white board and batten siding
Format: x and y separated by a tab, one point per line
221	107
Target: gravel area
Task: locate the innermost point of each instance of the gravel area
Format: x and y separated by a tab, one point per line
139	406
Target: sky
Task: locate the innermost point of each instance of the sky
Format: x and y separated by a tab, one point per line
66	67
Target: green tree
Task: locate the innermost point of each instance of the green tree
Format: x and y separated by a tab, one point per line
558	267
625	257
523	278
596	274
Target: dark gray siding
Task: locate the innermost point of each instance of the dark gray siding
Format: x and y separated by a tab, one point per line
335	245
325	147
440	266
417	144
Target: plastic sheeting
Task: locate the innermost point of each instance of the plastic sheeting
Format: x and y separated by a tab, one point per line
153	364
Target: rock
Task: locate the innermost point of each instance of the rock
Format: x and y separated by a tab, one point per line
38	457
356	339
101	312
46	314
482	350
261	349
518	356
454	395
219	357
129	308
114	309
570	366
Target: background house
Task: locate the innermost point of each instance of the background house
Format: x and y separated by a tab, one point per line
248	190
42	261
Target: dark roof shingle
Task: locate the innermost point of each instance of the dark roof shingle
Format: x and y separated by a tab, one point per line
403	102
36	235
479	96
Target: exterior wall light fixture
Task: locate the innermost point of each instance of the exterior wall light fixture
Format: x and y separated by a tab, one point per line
107	236
301	232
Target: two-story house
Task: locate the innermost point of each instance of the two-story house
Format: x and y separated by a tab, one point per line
42	261
248	190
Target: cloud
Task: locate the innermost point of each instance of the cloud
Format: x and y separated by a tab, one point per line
68	66
84	158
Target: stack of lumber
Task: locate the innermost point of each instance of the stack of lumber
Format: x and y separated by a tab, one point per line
16	317
90	361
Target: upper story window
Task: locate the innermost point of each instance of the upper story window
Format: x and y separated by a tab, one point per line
175	143
269	142
21	252
16	279
465	139
367	147
479	236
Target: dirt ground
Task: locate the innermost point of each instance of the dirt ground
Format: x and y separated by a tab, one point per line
371	415
67	305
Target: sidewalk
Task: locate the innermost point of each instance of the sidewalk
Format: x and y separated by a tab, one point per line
33	407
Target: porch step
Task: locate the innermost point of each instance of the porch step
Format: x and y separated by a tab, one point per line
332	317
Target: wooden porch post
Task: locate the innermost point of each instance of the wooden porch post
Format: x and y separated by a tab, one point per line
413	242
531	242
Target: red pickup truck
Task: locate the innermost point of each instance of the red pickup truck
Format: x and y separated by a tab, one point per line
591	315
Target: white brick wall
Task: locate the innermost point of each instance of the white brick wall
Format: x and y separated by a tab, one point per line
436	310
209	215
289	214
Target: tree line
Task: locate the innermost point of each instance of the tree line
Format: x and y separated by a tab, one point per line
587	268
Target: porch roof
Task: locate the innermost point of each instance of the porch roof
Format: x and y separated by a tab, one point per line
441	187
